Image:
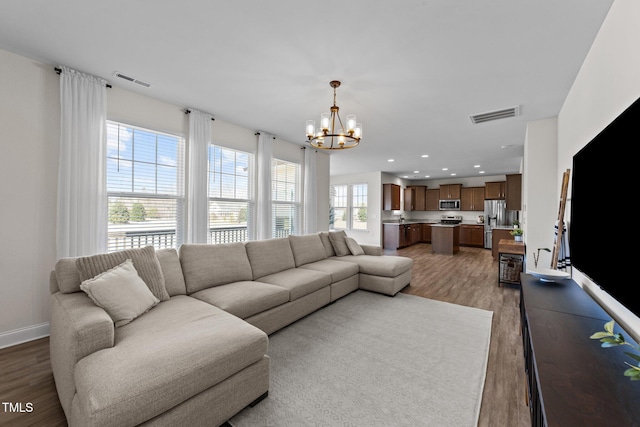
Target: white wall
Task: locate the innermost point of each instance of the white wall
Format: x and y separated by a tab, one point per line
606	85
540	189
29	134
29	137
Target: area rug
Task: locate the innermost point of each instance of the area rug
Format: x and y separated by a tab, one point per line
372	360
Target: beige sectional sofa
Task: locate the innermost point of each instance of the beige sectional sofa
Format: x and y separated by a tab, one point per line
199	354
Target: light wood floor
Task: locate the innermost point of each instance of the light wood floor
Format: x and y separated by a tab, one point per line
467	278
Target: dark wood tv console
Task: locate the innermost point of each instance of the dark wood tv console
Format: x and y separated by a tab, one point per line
572	380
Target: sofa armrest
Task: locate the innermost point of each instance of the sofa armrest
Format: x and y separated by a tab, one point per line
78	328
372	250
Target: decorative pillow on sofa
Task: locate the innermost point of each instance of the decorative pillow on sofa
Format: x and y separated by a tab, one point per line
353	246
337	239
144	260
121	293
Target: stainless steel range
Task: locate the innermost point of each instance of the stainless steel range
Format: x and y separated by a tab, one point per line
450	219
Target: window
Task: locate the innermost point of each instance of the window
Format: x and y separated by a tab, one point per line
145	188
359	207
338	208
285	195
348	207
230	195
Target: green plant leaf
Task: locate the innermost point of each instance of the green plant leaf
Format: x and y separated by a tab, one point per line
619	337
609	326
599	335
635	357
632	372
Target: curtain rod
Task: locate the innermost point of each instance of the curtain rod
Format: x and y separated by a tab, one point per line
189	112
59	70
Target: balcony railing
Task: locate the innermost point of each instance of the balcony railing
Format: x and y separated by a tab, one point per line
161	239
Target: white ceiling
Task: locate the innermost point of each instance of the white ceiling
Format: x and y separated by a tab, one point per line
412	70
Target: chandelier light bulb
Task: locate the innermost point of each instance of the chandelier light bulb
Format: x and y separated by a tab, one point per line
311	128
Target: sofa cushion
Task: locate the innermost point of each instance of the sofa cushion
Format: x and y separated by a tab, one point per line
121	293
307	248
244	299
386	265
326	242
269	256
144	260
172	271
175	351
205	266
67	275
339	243
299	281
353	246
338	270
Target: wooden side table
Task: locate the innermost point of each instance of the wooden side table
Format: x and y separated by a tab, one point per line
511	259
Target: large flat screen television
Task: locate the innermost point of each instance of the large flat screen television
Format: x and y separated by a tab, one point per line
602	198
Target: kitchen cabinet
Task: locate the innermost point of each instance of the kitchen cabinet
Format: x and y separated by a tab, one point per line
432	196
390	197
514	192
445	239
397	236
472	235
495	190
426	233
450	191
414	233
415	198
472	199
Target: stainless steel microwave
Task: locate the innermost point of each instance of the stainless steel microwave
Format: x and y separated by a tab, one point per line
449	205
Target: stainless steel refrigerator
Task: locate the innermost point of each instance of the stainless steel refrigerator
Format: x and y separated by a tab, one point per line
496	215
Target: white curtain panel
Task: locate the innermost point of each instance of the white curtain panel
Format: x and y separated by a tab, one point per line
310	192
197	202
82	192
263	198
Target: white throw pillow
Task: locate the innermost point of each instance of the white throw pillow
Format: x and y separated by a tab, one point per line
353	246
121	293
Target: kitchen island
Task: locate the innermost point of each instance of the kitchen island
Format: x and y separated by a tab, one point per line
445	238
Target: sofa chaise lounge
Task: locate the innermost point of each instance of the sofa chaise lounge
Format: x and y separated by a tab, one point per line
190	347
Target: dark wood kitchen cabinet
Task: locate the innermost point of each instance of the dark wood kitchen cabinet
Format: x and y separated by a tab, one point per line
498	234
495	190
415	198
390	197
450	191
432	198
472	235
514	192
472	199
426	233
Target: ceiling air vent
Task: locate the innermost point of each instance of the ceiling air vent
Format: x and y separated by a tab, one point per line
131	79
495	115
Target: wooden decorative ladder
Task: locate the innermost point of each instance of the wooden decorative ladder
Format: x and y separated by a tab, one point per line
563	203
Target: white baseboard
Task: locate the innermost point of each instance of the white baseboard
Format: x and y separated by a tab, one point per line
22	335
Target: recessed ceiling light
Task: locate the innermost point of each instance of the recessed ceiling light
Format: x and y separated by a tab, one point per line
505	147
453	174
481	172
405	176
445	169
416	171
390	160
427	176
476	166
425	155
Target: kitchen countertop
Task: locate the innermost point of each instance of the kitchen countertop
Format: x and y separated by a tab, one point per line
428	221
